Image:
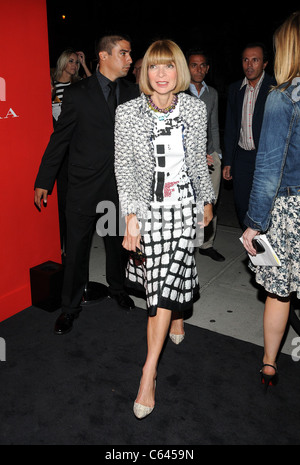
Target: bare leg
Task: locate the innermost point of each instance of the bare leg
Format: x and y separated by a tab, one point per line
275	320
157	331
177	323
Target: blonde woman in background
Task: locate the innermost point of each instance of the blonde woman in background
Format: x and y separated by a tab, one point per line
65	74
274	206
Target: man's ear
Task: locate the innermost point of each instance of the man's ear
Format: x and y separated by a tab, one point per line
103	55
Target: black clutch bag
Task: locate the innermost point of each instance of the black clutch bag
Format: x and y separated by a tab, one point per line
138	257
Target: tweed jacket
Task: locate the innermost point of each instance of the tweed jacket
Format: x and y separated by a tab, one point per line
134	152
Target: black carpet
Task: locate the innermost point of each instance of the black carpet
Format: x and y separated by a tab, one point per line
79	388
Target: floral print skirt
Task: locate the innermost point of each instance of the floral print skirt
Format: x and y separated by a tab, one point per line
284	236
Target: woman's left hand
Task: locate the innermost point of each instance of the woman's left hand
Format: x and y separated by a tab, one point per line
248	236
132	235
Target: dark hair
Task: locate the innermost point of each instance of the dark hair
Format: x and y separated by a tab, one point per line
258	44
108	42
197	51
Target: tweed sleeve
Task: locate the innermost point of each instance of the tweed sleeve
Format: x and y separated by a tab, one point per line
124	160
207	191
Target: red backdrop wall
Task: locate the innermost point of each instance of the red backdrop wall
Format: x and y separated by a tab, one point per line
27	237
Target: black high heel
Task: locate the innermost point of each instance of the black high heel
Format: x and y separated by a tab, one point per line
269	380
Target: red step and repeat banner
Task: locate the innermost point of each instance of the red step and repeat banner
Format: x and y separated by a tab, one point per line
27	237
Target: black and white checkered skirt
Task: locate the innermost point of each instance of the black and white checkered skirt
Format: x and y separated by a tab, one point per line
169	274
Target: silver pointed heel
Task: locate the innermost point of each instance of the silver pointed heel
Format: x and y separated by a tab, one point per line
142	411
176	338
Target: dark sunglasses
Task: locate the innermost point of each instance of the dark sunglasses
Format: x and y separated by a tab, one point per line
258	246
138	256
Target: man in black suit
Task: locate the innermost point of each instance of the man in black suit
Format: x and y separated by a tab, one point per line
245	109
86	127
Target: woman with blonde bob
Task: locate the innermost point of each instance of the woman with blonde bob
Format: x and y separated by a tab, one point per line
161	52
274	206
163	184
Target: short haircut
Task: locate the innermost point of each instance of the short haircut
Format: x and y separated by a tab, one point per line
164	52
108	42
259	45
197	51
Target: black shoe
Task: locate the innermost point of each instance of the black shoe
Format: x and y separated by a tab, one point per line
64	323
123	300
93	292
212	253
269	380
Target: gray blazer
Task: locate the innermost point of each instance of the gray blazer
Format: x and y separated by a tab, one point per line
134	152
210	98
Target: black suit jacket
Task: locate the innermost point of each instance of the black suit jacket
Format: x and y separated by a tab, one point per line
86	127
234	116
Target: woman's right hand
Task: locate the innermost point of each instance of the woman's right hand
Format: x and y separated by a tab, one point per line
248	236
132	236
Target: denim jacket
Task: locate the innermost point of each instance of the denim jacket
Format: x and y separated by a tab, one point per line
277	169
